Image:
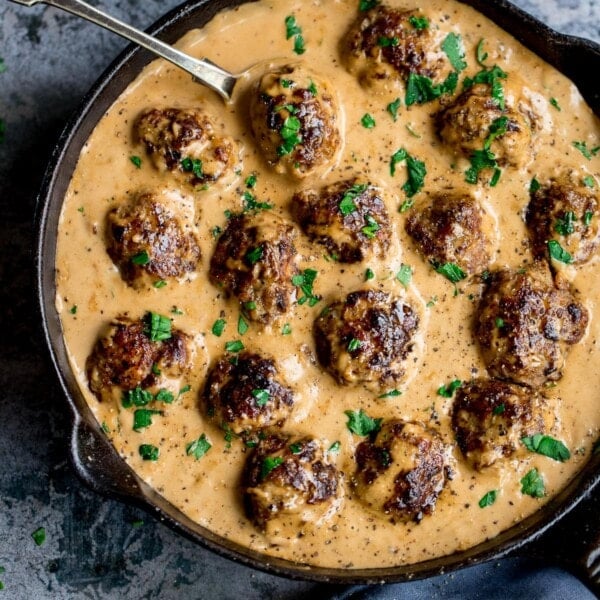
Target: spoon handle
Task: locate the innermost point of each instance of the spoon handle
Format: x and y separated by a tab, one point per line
202	70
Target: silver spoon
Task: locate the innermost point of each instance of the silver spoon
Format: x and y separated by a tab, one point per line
202	70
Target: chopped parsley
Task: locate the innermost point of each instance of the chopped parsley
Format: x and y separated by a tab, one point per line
286	329
488	499
387	42
192	165
347	204
589	181
251	180
292	29
419	22
161	283
335	447
268	464
165	396
547	446
371	227
393	108
136	160
416	171
296	448
491	77
554	102
158	327
142	418
390	394
587	217
305	282
253	255
557	252
218	327
453	47
421	89
480	54
534	186
198	448
251	203
499	322
532	484
136	397
360	423
451	271
369	274
499	409
404	275
73	309
234	346
365	5
140	259
368	121
582	147
242	326
354	344
149	452
447	391
312	88
39	536
485	158
290	134
261	396
565	225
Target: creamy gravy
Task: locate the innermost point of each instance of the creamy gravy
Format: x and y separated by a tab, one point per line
207	490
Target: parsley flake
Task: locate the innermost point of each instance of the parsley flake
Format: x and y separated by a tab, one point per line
269	464
419	22
547	446
393	108
557	252
532	484
404	275
347	204
261	396
149	452
218	327
488	499
234	346
416	171
367	121
137	161
360	423
447	391
453	47
140	259
305	282
39	536
451	271
158	327
198	448
142	418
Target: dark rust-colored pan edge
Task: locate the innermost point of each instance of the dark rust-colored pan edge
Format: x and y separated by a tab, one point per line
95	459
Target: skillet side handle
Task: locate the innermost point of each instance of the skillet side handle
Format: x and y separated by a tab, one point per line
588	568
98	464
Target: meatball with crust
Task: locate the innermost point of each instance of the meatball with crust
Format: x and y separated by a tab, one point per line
490	416
566	213
246	395
148	242
294	116
186	142
402	471
526	323
349	218
255	260
367	339
474	122
453	228
385	45
126	357
290	482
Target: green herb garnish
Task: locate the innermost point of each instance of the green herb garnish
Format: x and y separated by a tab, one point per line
554	102
447	391
158	327
142	418
234	346
394	107
354	344
453	47
140	259
480	53
491	77
566	224
421	89
547	446
488	499
39	536
390	394
347	204
198	448
419	22
557	252
268	464
451	271
533	484
360	423
367	121
242	326
218	327
136	160
404	275
149	452
253	255
261	396
416	171
305	282
290	134
192	165
371	227
369	274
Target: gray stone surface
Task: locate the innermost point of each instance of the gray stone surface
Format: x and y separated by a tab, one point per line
97	548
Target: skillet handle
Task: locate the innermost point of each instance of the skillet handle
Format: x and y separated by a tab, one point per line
573	543
99	465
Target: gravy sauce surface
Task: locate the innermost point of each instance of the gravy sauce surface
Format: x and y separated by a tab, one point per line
91	292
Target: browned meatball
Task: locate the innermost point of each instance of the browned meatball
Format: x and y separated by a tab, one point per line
366	338
246	395
148	242
525	325
402	471
255	260
126	358
453	228
185	142
385	45
294	117
475	117
566	213
489	418
290	480
349	218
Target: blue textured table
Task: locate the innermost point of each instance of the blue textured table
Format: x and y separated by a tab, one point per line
98	548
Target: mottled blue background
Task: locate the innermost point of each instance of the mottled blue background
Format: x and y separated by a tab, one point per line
97	548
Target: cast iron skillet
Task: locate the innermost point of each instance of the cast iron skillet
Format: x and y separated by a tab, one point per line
94	458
